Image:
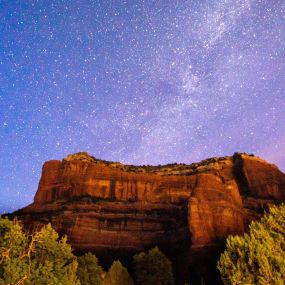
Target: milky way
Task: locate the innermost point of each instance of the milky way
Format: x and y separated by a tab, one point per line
140	82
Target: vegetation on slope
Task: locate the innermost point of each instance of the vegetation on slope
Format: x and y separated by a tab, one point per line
167	169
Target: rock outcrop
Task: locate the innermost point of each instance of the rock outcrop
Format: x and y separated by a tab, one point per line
104	206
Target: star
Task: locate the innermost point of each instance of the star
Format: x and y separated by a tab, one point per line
140	82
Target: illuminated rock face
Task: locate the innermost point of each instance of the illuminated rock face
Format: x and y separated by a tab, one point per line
104	206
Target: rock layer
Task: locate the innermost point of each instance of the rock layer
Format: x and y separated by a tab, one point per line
104	206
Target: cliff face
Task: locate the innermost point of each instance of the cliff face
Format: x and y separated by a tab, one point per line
105	206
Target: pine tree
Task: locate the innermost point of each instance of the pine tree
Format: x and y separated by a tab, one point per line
259	256
32	259
118	275
52	259
89	272
153	268
13	243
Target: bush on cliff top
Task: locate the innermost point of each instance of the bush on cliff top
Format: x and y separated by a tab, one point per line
259	256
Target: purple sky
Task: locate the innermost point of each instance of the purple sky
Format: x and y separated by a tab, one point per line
141	82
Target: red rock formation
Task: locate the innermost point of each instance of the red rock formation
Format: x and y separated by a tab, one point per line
109	206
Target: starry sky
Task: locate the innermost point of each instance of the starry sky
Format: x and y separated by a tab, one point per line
137	81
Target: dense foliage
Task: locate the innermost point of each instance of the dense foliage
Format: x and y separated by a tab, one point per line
259	256
153	268
118	275
89	272
44	258
38	258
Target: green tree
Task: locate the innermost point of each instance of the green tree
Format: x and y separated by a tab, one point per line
259	256
13	243
153	268
118	275
38	258
53	260
89	272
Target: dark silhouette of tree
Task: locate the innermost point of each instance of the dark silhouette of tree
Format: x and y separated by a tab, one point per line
153	268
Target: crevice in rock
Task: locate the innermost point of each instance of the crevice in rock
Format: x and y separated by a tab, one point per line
239	174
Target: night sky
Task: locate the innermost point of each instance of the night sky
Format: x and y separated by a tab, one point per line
140	82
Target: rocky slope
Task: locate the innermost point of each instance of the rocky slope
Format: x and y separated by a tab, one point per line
106	207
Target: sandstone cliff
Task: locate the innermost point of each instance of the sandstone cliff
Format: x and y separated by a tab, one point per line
104	206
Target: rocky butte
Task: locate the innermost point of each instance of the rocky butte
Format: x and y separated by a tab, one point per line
187	210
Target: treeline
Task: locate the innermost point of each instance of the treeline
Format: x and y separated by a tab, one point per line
42	258
152	268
